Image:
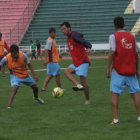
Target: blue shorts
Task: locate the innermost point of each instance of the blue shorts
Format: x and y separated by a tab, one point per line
81	70
15	80
53	69
119	82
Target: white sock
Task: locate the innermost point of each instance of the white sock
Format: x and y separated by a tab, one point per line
79	85
139	118
116	120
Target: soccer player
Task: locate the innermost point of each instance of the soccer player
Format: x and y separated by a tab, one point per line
16	62
3	45
77	44
123	57
33	46
38	49
52	60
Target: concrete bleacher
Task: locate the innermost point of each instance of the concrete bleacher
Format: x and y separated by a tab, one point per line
14	17
93	18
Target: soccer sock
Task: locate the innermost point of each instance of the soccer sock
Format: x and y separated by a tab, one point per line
116	120
79	85
139	118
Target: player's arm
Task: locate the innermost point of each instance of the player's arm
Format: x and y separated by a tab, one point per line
26	60
6	47
45	61
78	38
3	62
137	60
112	44
48	48
110	61
32	71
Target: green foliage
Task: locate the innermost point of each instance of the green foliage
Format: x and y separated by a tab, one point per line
67	118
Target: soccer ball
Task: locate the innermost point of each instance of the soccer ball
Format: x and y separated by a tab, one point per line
57	92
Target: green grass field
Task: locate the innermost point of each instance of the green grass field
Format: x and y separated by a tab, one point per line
67	118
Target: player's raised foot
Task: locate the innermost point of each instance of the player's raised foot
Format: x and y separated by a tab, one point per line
9	107
115	121
87	102
78	87
39	100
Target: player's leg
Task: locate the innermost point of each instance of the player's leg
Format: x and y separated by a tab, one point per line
29	81
82	71
34	54
136	100
50	70
46	81
86	88
68	73
13	93
35	91
133	86
115	105
15	84
117	86
3	71
57	79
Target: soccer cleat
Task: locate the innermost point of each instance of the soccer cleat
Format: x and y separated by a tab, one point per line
39	100
8	107
87	102
78	87
114	122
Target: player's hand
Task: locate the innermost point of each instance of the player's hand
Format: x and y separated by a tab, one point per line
45	63
89	51
60	56
35	78
108	73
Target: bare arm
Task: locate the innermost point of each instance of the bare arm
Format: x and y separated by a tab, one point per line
110	61
137	65
6	46
33	72
45	61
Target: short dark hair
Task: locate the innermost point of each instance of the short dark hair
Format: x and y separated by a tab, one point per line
52	30
119	22
67	24
14	48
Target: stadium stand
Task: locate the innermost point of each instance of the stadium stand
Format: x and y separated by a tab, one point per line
15	16
93	18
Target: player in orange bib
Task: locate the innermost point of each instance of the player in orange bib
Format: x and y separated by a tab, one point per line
52	60
3	45
16	62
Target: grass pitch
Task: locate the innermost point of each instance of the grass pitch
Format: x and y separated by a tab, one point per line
67	118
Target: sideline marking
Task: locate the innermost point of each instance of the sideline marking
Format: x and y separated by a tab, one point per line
39	70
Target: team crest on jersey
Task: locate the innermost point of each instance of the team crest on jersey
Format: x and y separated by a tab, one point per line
125	44
70	46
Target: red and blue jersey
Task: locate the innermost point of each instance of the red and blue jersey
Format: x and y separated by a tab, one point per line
76	45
